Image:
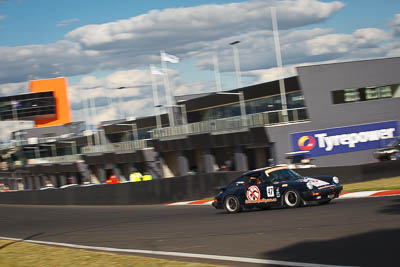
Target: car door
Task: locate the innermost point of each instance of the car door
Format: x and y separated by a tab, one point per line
247	190
240	187
270	190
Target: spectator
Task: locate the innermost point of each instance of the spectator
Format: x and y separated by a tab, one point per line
113	180
135	177
229	165
49	184
147	177
223	168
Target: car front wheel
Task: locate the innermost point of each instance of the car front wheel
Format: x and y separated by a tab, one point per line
232	204
291	199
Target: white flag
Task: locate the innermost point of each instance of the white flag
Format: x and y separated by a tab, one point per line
169	58
156	71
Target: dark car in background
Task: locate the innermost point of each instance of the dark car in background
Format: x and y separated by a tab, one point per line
389	152
275	186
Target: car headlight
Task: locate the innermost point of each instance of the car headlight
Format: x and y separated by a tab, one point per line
335	180
310	185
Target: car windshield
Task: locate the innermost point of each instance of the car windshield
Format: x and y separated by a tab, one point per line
283	175
394	142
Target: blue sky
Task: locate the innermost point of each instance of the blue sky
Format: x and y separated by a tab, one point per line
42	16
105	44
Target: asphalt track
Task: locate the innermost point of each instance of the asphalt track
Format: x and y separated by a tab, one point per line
351	232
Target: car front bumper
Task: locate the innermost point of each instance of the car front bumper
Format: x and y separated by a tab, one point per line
217	203
326	193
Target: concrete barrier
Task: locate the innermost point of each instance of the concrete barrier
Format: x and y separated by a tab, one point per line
357	173
178	188
149	192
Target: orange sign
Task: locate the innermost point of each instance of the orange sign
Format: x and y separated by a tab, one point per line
59	88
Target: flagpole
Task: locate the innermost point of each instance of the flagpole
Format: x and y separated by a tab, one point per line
156	101
171	116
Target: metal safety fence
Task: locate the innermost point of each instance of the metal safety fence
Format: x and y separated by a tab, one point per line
115	147
57	159
237	123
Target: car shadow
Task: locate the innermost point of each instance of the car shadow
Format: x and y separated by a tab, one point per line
393	208
309	205
23	239
377	248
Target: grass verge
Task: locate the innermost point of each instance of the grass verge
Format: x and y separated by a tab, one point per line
381	184
21	254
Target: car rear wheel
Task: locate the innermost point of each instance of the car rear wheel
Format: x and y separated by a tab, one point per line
291	199
232	204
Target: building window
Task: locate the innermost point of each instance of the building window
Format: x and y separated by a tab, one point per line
351	95
365	94
295	100
385	91
371	93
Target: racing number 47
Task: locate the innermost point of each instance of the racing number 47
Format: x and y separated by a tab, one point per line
270	191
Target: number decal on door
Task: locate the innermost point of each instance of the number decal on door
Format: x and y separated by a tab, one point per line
270	191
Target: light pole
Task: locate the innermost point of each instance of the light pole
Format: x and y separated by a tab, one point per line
237	63
93	110
183	110
90	104
135	135
120	100
155	94
216	73
14	104
168	91
279	63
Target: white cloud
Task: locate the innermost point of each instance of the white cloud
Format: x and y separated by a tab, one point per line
272	74
395	24
66	22
195	88
22	63
176	26
125	48
135	99
7	127
345	43
137	41
14	88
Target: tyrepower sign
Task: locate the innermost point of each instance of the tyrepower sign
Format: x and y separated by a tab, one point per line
345	139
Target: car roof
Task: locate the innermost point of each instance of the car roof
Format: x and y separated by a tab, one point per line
263	169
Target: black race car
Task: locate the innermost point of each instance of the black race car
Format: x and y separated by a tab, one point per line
275	186
390	152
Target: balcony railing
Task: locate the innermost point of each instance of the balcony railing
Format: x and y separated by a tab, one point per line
35	141
238	123
58	159
115	147
231	124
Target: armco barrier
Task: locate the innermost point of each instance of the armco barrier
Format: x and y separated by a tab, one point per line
179	188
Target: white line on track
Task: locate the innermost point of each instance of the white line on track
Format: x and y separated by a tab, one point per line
177	254
359	194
